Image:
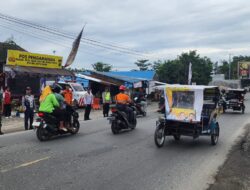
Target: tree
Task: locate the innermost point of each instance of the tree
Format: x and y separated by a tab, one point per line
102	67
224	69
176	71
142	64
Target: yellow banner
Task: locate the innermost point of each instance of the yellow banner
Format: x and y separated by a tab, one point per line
27	59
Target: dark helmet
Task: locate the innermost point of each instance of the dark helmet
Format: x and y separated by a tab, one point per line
56	88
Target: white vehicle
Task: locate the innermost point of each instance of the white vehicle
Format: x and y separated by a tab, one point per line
78	92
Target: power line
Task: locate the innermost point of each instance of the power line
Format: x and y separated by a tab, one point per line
51	40
65	35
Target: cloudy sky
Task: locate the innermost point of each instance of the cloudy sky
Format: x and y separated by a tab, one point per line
159	29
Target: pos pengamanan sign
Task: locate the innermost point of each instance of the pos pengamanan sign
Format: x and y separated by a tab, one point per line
20	58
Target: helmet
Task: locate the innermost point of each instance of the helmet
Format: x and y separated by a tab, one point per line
56	88
123	88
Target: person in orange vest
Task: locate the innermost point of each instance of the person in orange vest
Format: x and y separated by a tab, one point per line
122	101
7	102
68	95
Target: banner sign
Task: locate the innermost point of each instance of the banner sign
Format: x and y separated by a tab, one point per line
244	68
138	84
183	104
21	58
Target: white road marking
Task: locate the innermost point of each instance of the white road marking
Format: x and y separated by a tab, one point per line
25	164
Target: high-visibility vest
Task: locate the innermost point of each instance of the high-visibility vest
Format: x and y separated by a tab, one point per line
107	96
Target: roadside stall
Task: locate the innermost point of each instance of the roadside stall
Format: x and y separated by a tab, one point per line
24	69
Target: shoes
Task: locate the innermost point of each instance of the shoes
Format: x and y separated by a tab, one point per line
63	129
1	133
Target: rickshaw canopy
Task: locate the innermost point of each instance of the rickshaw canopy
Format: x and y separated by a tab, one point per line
185	102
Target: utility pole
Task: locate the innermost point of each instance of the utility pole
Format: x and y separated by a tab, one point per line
229	64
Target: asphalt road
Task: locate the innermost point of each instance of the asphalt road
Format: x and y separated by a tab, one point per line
97	159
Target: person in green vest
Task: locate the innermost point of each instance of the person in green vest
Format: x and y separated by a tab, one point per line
52	106
106	98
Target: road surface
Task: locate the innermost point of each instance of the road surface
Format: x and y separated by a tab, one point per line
96	159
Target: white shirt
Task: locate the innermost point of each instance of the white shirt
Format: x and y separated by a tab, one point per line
88	98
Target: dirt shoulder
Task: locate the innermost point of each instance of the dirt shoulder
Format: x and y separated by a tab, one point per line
235	172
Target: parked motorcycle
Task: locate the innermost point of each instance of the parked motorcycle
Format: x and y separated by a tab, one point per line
119	120
47	125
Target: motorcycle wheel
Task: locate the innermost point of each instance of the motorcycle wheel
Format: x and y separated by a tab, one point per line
114	128
134	124
177	137
243	110
75	127
159	136
42	134
215	135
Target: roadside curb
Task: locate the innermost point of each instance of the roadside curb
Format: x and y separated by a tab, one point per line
235	172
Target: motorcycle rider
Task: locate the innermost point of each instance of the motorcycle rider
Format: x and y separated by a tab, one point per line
223	98
141	99
122	101
51	106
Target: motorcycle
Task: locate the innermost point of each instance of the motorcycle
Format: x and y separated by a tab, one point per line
47	125
119	120
140	107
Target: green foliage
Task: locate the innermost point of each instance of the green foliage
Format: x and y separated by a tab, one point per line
176	71
102	67
143	65
224	69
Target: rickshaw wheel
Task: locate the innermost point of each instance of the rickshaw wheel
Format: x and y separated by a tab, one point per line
159	136
243	110
177	137
215	135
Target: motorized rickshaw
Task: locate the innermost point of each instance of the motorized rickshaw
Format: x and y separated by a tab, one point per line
191	110
233	99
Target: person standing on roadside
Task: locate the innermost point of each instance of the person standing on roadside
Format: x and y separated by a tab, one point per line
28	103
1	108
106	99
88	101
7	102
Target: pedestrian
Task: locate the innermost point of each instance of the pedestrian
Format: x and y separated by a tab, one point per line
7	102
68	95
28	103
106	99
88	101
1	108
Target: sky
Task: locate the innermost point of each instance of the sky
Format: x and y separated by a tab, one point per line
154	30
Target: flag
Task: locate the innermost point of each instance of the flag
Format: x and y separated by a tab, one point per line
74	50
190	74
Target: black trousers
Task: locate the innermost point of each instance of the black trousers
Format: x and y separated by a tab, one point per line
87	111
127	110
105	109
7	110
28	117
